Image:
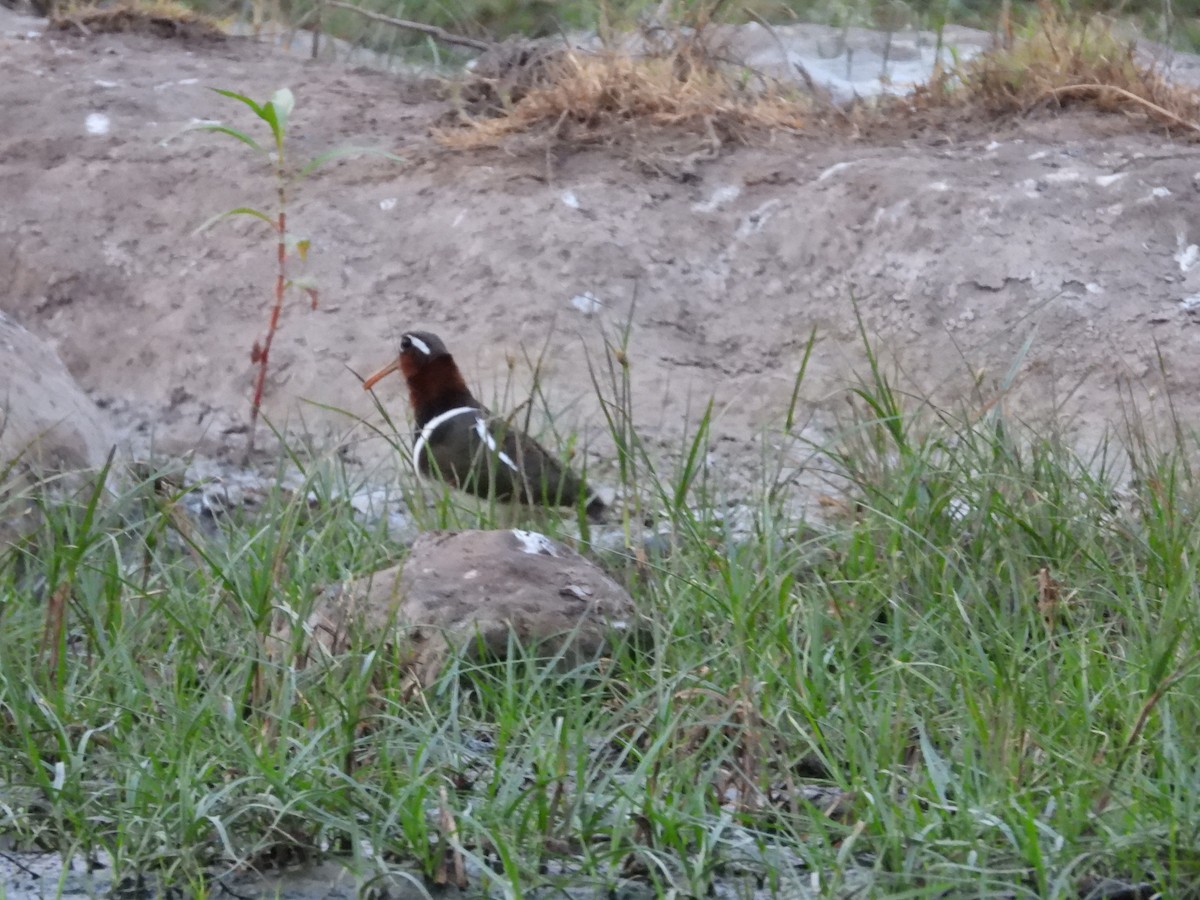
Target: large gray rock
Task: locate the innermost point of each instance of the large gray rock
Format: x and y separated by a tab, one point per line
48	426
471	590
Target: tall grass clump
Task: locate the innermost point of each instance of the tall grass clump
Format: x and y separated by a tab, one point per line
161	18
1058	57
978	675
672	77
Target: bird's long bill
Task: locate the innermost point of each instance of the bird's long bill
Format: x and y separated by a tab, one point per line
391	367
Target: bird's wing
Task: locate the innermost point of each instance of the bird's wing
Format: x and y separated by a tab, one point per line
461	449
538	475
490	458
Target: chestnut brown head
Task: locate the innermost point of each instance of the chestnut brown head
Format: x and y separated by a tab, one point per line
417	350
434	382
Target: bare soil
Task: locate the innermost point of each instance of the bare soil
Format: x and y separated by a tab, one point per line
1048	264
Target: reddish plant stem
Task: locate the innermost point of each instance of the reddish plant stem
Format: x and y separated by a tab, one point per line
264	354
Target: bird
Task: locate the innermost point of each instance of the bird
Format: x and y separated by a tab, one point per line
458	439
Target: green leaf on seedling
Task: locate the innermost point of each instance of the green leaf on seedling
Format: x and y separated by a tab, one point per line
275	113
240	211
232	132
339	152
300	245
258	110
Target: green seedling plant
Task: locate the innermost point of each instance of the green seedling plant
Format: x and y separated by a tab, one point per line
275	113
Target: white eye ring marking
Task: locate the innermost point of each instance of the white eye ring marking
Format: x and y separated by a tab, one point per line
418	343
481	429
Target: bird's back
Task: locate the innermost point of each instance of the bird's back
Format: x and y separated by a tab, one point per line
489	458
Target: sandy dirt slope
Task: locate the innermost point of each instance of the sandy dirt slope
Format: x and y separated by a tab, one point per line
1077	235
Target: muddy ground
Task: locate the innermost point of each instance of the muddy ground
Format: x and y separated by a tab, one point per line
1055	252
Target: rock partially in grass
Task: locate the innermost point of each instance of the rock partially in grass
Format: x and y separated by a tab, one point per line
471	591
48	427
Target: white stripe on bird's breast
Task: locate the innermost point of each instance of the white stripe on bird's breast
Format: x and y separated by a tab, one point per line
432	425
480	426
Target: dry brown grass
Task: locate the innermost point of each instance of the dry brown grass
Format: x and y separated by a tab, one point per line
579	96
1056	61
160	18
1052	61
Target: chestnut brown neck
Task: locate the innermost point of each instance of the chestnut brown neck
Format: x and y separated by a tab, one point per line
437	387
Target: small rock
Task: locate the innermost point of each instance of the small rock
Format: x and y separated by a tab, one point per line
472	589
96	123
48	427
587	303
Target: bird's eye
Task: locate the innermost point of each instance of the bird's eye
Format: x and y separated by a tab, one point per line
406	343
